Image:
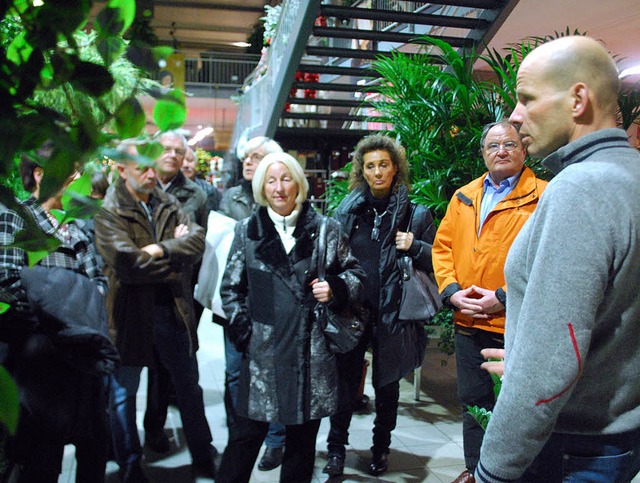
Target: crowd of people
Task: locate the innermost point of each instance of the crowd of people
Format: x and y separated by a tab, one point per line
540	275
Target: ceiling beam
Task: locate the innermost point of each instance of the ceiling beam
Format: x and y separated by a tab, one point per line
201	27
207	6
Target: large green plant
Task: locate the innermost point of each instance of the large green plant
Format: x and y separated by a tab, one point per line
437	107
79	90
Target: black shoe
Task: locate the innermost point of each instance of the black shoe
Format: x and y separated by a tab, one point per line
379	464
335	465
205	466
133	473
157	442
271	459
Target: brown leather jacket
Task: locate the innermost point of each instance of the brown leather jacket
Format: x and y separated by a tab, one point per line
135	278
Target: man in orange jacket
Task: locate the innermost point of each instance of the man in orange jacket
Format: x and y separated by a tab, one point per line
469	252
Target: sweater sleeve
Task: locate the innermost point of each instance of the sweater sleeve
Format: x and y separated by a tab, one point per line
554	294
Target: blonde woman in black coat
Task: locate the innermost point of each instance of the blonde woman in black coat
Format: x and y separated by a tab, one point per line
268	292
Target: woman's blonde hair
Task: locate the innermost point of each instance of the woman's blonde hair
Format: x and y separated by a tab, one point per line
259	177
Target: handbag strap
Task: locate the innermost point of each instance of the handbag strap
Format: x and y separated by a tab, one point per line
322	248
404	259
412	209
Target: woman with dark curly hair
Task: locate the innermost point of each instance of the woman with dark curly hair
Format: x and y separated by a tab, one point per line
375	216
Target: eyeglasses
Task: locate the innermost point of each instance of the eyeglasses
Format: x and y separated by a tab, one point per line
255	157
495	147
178	151
377	221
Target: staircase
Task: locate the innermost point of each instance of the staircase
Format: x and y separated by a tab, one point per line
311	89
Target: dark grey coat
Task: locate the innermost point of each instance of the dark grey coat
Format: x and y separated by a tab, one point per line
288	373
397	349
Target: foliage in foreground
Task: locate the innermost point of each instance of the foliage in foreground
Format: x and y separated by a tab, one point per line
78	90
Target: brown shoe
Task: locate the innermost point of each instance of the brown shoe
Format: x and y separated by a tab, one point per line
465	477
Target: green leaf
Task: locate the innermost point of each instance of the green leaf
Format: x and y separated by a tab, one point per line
65	15
9	402
4	307
80	187
151	150
31	240
141	55
59	215
56	172
34	257
130	118
81	207
46	75
91	78
110	48
109	23
19	49
170	111
141	159
162	52
11	139
481	415
21	6
127	9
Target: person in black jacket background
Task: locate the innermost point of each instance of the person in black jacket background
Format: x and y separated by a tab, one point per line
374	215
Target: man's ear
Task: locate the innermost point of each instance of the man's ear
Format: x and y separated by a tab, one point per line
581	101
121	170
38	173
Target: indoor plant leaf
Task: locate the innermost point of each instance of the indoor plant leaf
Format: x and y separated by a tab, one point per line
9	401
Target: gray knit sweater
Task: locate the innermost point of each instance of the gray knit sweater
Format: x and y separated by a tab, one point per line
573	313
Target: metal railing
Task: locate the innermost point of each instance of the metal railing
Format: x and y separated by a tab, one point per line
219	70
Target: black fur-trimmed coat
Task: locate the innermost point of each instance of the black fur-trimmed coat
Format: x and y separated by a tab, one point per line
288	373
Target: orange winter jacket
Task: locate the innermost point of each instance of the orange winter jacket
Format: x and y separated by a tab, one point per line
461	258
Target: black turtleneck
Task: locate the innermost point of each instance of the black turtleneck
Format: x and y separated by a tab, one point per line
366	250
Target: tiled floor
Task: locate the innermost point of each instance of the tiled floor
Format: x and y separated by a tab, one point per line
426	445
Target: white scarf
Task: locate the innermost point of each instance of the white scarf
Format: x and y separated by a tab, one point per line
285	225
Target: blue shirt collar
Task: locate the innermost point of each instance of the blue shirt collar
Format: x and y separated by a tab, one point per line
507	183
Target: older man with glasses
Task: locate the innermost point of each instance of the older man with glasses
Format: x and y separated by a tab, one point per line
193	201
469	253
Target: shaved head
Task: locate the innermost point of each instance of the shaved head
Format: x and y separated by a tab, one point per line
566	89
568	60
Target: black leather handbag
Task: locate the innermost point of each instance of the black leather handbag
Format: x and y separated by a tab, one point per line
420	300
342	330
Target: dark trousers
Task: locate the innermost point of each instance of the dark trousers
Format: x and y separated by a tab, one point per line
244	445
171	342
160	388
60	405
593	458
475	387
350	367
